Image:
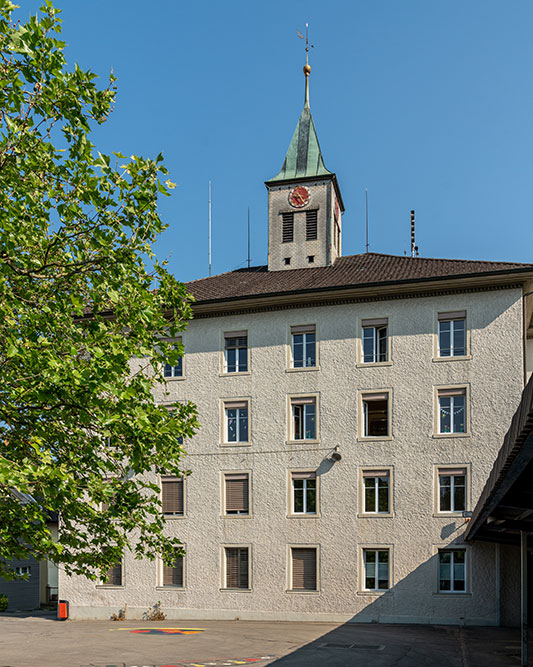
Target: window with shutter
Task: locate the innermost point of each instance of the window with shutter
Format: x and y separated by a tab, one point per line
304	569
237	573
113	576
173	575
311	225
237	493
172	495
288	227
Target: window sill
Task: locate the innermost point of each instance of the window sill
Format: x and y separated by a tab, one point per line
235	444
465	357
372	364
170	588
304	441
236	374
374	438
293	591
375	515
375	593
458	594
303	515
452	435
173	517
449	515
110	587
176	379
236	590
305	369
237	516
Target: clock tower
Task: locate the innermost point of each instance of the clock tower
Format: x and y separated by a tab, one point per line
304	203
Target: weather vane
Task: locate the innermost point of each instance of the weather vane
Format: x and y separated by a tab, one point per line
307	45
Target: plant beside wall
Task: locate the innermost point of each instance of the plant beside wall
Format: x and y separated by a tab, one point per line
3	602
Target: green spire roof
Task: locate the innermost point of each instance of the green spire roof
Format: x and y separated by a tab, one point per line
303	159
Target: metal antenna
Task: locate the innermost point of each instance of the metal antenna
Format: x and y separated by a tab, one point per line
413	246
210	228
248	237
366	202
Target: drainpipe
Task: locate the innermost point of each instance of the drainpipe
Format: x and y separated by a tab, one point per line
523	596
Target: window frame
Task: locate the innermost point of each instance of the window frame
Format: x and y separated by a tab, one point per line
170	478
178	340
441	470
295	399
375	322
465	388
467	570
371	471
436	337
362	590
235	515
303	591
104	583
362	420
225	404
224	572
301	329
241	333
160	586
312	474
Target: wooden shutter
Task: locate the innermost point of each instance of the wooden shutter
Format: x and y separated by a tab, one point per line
305	328
452	392
304	569
376	397
237	493
114	575
173	576
304	400
304	475
452	471
376	322
172	495
237	567
288	227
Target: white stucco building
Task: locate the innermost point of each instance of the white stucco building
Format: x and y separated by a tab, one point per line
351	411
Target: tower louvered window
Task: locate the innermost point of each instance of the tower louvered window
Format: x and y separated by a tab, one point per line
288	227
311	225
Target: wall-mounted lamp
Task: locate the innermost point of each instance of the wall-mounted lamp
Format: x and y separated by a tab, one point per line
336	455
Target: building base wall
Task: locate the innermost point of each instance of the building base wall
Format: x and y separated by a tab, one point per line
78	612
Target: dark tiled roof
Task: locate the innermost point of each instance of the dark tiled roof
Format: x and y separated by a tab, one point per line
352	271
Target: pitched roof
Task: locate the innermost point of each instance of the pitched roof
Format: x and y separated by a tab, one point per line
363	270
304	158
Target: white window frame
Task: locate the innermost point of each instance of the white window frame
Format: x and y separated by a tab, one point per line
223	568
440	392
293	401
23	570
159	582
303	330
171	378
235	334
376	323
364	396
362	569
376	472
452	470
447	315
467	566
226	404
301	591
296	474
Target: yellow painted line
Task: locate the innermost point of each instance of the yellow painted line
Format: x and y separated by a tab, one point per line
153	628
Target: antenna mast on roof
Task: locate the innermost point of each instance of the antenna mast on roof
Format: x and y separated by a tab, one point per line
248	237
209	228
366	208
414	248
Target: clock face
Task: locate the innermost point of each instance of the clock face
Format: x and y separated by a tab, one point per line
299	196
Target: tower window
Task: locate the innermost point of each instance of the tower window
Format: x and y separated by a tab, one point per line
311	225
288	228
311	259
287	261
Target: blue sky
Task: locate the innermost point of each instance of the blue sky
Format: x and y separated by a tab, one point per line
429	105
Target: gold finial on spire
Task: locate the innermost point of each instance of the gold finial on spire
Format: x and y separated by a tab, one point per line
307	66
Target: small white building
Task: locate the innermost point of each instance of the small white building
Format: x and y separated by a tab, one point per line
351	410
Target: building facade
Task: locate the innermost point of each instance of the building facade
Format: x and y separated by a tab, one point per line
351	409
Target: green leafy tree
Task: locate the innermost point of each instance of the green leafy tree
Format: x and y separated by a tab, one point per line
85	307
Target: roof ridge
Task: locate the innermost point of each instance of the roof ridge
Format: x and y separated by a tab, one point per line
439	259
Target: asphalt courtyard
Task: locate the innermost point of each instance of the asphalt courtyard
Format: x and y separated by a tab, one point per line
44	642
